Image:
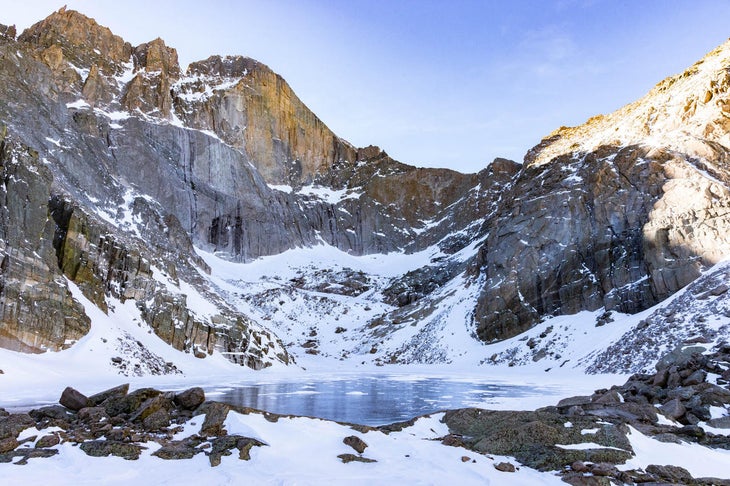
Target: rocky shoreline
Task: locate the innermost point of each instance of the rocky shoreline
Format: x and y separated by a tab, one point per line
680	403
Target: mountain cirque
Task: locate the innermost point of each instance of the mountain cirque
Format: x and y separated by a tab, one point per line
116	165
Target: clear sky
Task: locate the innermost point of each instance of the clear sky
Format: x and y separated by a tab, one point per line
450	83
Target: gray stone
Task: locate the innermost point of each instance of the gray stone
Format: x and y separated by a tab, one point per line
190	399
115	392
74	399
695	378
720	422
673	409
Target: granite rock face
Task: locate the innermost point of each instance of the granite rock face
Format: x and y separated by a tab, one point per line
37	310
618	213
129	163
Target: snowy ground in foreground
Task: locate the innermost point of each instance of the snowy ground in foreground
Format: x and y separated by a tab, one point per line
300	451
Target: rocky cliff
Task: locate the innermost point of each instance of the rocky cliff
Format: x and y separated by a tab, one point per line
620	212
140	161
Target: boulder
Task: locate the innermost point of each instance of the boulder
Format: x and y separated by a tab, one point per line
190	399
215	416
674	409
129	403
695	378
174	450
13	424
53	412
356	443
8	444
675	474
74	399
49	440
116	392
25	454
221	446
245	445
93	415
530	437
720	422
150	406
157	420
345	458
505	467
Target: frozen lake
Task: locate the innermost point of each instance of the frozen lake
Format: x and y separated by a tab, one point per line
370	400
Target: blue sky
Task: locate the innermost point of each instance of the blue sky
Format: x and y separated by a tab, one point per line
434	83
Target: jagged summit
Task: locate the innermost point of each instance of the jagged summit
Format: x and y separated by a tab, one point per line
81	40
687	112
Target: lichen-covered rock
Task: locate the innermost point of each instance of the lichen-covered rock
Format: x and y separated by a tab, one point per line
215	416
531	437
114	392
104	448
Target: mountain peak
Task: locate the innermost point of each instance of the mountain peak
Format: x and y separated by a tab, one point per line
82	41
156	56
684	112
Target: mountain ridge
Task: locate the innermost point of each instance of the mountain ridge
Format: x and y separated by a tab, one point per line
142	172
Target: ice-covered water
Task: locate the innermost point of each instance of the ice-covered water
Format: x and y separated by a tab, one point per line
370	400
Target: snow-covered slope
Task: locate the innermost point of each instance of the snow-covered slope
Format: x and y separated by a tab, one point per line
336	312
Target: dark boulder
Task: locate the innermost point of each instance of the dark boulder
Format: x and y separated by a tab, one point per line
190	399
13	424
116	392
74	399
215	416
356	443
674	474
129	403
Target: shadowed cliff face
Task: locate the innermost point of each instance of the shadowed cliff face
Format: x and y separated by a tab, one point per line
37	311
